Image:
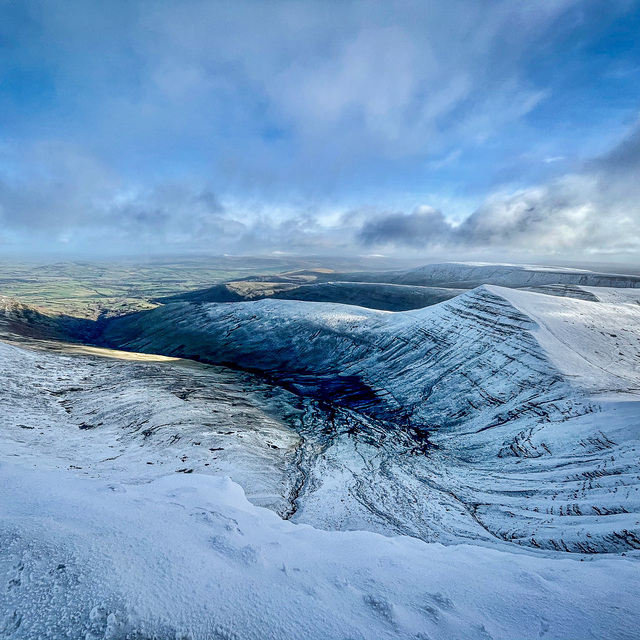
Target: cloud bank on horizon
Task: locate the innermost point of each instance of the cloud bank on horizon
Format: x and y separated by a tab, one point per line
438	129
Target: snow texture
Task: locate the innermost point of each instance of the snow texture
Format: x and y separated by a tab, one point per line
473	274
498	414
186	556
502	423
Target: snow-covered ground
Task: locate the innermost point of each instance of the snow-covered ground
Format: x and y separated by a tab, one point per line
502	423
102	413
530	399
595	345
186	556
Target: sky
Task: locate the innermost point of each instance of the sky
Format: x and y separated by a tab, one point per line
457	129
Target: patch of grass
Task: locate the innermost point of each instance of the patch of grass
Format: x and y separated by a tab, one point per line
90	290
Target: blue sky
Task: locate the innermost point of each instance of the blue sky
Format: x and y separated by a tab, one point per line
458	129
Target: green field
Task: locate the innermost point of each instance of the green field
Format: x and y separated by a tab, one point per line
91	289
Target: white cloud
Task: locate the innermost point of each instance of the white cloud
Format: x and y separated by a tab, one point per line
372	77
234	98
593	211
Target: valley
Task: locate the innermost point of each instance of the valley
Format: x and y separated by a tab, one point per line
502	418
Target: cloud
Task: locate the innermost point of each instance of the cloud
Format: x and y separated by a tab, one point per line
424	227
596	210
247	125
54	194
343	83
623	159
55	197
50	186
391	83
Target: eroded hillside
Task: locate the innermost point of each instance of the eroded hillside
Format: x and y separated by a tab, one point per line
491	415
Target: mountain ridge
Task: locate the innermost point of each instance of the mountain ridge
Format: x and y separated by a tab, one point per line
468	375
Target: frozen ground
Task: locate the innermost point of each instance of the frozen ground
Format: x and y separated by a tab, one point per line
186	556
502	423
500	414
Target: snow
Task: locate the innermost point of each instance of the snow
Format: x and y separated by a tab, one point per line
190	557
106	413
613	295
117	520
534	421
595	344
512	265
472	274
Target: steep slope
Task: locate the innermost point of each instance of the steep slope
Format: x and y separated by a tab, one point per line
102	413
18	320
564	291
501	418
337	348
230	292
596	346
527	423
375	295
407	289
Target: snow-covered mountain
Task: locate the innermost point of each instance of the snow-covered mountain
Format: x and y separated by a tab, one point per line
503	423
372	295
407	289
524	403
466	275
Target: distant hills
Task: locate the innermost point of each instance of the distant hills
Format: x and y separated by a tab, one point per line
401	290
